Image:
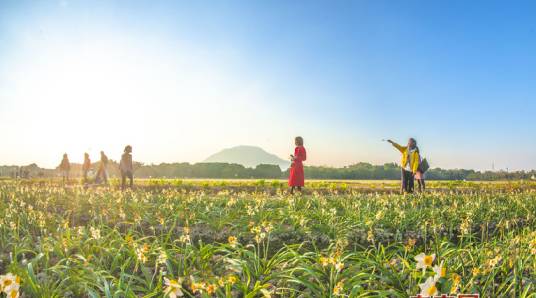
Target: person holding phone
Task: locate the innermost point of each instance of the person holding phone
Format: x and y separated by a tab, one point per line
409	163
296	177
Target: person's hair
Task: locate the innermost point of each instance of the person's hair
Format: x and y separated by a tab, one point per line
299	141
86	154
414	142
64	155
127	148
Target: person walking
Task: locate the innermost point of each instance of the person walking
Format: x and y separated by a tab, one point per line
102	172
86	166
65	168
296	177
126	168
409	163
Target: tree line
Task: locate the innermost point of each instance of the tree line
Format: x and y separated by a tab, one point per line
359	171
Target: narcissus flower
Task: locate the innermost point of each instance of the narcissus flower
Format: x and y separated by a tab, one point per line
232	279
428	288
13	291
232	241
456	280
211	288
324	261
8	280
439	271
173	288
339	266
424	261
337	290
10	285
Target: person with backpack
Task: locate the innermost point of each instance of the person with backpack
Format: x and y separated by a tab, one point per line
419	175
410	163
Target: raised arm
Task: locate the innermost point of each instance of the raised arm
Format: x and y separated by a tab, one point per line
397	146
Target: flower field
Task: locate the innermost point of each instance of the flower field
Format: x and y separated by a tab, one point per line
210	239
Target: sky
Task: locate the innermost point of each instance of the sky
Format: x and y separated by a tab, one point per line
181	80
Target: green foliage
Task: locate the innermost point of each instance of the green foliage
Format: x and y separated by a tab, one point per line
359	171
238	241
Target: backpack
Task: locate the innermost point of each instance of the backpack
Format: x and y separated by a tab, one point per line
424	166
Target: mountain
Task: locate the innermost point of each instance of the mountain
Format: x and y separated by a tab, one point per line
248	156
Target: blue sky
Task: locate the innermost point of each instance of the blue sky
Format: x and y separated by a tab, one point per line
181	80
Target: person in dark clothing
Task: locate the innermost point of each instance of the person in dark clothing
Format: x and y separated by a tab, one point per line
86	166
126	168
102	173
65	168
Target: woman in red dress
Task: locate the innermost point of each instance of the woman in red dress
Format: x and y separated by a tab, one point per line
296	177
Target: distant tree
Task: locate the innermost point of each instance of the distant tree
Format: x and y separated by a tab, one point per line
267	171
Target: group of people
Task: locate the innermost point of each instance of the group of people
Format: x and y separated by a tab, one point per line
125	167
102	171
412	166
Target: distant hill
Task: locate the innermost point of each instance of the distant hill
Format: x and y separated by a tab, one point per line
248	156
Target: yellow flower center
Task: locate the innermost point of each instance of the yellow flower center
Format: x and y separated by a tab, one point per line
432	290
443	272
428	260
7	282
173	283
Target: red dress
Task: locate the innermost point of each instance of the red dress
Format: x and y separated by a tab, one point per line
296	177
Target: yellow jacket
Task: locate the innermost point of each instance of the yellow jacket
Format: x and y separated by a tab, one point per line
415	158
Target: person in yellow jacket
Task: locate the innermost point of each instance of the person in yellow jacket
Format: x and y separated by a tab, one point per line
409	163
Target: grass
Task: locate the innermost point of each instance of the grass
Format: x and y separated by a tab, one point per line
250	239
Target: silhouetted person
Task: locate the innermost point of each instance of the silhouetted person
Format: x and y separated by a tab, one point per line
296	177
65	168
102	173
409	163
86	166
126	167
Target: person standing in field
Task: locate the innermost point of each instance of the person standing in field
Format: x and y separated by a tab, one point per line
86	166
126	167
410	163
419	175
102	172
296	177
65	168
